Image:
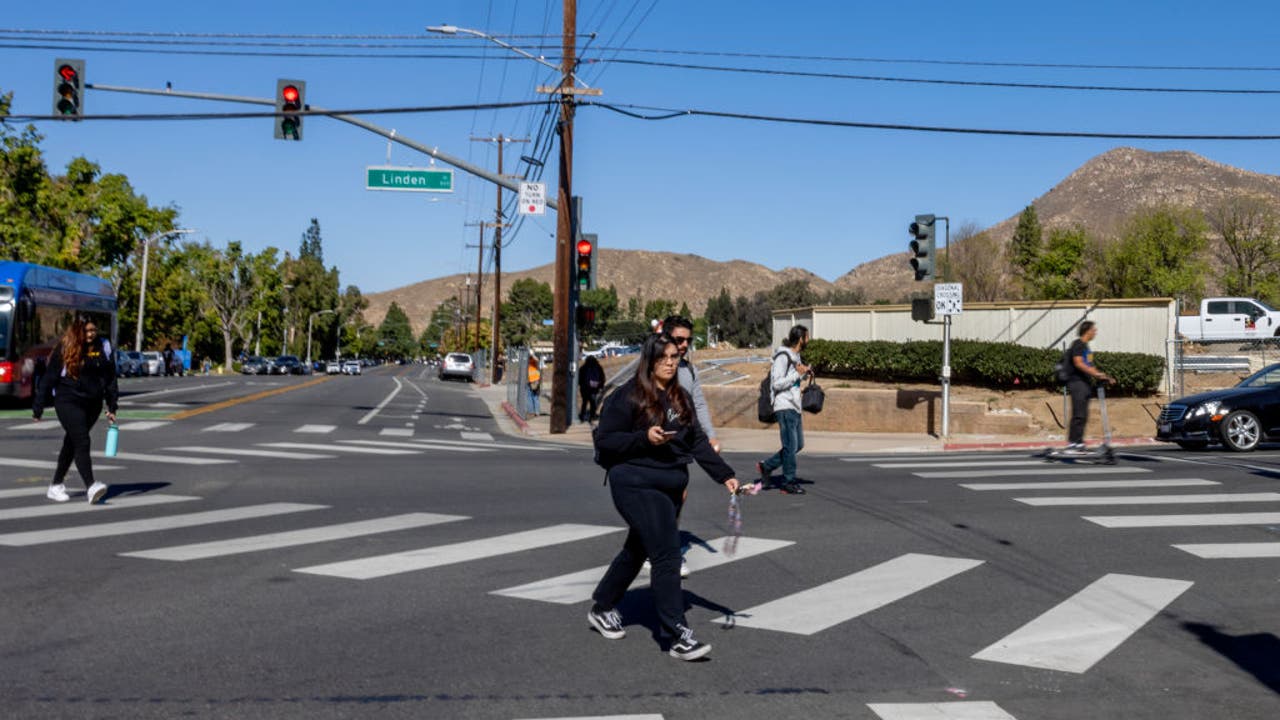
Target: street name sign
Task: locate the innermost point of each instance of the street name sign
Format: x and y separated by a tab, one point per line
948	298
533	198
407	179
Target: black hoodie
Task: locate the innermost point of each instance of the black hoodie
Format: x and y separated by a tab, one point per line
622	436
97	381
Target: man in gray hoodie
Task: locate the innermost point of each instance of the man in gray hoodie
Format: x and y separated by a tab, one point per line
785	375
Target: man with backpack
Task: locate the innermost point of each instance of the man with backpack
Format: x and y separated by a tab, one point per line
785	374
1081	375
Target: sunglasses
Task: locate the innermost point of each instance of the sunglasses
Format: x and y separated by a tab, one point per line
680	340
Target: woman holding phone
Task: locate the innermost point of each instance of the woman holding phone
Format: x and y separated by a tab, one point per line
649	431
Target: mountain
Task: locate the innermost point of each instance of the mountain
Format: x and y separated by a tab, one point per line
1099	196
681	277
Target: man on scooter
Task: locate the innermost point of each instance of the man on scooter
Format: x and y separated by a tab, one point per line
1080	385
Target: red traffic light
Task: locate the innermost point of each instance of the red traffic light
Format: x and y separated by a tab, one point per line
289	93
584	247
68	73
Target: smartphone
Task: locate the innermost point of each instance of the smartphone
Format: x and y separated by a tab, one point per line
668	433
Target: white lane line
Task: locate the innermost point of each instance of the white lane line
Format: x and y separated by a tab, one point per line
1200	520
168	522
577	587
157	405
174	459
421	559
603	717
1089	484
419	446
144	425
396	432
935	457
45	424
340	448
940	711
1206	498
250	452
229	427
1082	470
962	463
316	429
420	392
46	464
24	491
292	538
816	609
68	508
481	436
193	388
507	446
1226	551
1076	634
372	413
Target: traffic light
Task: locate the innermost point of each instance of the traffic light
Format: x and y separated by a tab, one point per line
585	319
290	98
68	88
585	268
923	246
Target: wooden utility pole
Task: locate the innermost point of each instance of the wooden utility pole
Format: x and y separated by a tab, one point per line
497	225
563	354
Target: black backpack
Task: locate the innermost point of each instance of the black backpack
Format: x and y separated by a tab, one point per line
764	402
1062	369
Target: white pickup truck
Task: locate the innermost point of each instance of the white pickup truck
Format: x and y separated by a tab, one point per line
1231	319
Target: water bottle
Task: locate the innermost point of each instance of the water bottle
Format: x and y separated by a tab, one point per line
113	440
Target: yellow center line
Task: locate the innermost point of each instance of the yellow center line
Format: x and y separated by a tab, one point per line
247	398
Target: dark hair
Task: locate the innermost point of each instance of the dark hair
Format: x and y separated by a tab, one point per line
677	321
798	333
648	396
1085	327
73	341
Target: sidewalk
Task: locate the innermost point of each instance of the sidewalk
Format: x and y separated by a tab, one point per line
765	441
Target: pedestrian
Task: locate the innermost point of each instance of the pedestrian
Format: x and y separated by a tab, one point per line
168	359
785	374
534	377
590	383
1080	384
81	376
649	434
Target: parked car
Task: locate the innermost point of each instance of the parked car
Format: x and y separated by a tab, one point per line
255	365
128	363
153	363
1239	418
459	365
351	367
1229	318
288	365
332	367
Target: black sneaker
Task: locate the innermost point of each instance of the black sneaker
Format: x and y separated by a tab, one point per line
686	647
793	488
764	475
608	623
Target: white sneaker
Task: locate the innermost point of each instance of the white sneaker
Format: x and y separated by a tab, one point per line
684	568
96	491
58	493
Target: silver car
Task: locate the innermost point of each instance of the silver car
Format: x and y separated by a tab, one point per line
459	365
153	363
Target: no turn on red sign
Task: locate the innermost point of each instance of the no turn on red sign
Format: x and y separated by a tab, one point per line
533	198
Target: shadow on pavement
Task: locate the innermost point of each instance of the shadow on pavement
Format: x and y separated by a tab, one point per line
132	489
1257	654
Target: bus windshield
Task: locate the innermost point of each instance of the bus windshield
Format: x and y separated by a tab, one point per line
6	310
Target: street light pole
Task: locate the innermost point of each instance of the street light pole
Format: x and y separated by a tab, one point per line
310	320
142	293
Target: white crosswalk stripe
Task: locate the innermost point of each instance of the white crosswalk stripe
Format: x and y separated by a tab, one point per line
1089	484
1206	498
45	424
250	452
229	427
174	459
46	464
139	425
424	558
816	609
417	446
1220	551
603	717
960	464
1198	520
481	436
1082	470
167	522
73	508
935	457
578	586
940	711
396	432
33	491
508	446
316	429
340	448
292	538
1079	632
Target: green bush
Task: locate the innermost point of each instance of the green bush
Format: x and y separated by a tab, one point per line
989	364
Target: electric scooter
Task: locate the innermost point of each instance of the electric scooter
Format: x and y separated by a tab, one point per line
1103	454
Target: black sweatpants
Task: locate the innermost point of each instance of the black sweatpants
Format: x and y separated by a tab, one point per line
649	500
77	419
589	405
1081	391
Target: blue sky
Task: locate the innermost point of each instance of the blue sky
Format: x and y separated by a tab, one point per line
821	198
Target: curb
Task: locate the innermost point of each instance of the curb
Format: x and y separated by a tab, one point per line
515	417
1115	442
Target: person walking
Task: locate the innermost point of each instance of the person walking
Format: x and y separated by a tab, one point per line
785	375
81	376
647	436
534	378
590	383
168	360
1081	382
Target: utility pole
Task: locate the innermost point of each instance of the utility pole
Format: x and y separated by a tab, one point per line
564	230
497	225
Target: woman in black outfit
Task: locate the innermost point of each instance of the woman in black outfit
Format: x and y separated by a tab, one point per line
647	436
81	375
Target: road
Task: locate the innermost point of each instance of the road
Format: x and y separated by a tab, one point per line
375	546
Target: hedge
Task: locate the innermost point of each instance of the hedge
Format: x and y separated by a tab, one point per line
990	364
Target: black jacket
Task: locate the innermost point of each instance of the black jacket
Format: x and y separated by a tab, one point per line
97	381
622	436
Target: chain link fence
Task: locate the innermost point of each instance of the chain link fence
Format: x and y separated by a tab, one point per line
1201	366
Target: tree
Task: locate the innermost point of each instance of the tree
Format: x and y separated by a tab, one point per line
314	289
529	302
1158	254
1248	246
659	309
722	319
1024	246
227	281
976	259
1055	274
395	335
605	303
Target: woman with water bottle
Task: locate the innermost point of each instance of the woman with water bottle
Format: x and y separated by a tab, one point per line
81	376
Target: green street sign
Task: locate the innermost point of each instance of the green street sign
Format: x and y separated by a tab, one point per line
404	179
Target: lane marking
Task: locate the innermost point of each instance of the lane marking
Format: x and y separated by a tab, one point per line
72	507
816	609
47	465
424	558
1089	484
419	446
315	429
1223	551
508	446
961	463
396	432
916	457
1198	520
229	427
1152	499
144	424
577	586
604	717
193	388
45	424
481	436
168	522
174	459
1083	470
370	415
246	399
250	452
340	448
293	538
940	711
1076	634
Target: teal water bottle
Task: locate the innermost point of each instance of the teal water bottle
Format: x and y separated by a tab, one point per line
113	440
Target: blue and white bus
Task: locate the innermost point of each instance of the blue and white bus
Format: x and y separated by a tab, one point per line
37	304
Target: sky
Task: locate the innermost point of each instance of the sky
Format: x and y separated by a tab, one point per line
822	198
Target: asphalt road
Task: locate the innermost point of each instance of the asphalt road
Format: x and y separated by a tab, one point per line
373	546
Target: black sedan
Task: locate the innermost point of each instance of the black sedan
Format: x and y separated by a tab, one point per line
1239	417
